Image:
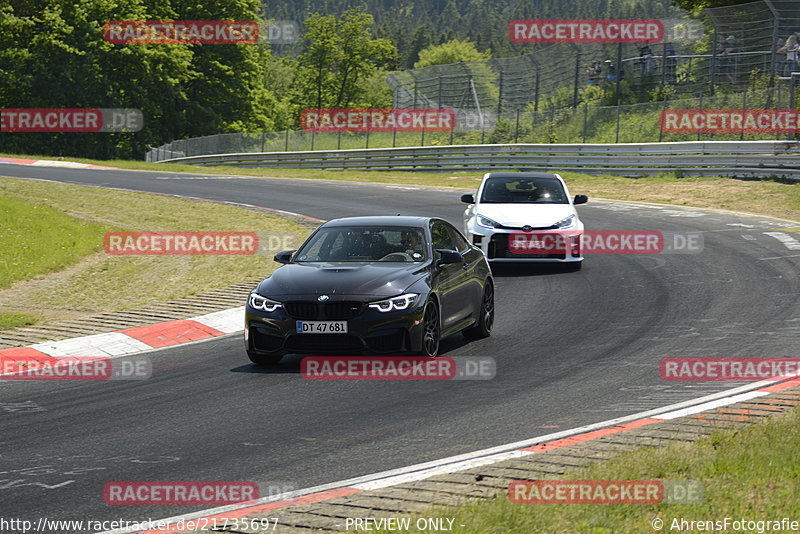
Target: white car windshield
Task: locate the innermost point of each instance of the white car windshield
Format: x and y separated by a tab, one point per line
512	190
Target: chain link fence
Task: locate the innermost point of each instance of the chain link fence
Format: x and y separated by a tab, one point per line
636	123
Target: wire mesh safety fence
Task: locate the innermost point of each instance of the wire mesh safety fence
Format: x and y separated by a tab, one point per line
635	123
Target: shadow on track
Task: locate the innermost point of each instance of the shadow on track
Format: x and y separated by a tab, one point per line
511	270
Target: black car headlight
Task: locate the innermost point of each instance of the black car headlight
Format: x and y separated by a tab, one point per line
403	302
263	303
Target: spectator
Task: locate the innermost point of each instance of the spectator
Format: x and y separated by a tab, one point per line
611	69
647	62
791	49
593	71
726	58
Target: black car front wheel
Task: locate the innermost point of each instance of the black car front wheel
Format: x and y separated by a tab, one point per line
264	359
431	330
483	326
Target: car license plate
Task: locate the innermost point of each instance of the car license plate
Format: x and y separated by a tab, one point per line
321	327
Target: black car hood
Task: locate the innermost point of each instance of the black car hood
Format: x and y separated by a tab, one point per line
342	280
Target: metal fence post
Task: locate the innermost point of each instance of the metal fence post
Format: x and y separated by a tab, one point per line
313	136
516	130
660	123
577	78
744	107
500	87
536	89
263	140
366	140
618	70
585	119
792	88
700	107
339	140
286	147
619	110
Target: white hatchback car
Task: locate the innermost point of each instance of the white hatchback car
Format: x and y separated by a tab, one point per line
514	202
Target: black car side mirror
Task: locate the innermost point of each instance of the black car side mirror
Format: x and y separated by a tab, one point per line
449	256
285	256
468	199
580	199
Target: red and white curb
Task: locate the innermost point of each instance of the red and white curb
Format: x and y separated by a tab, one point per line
52	163
127	341
471	460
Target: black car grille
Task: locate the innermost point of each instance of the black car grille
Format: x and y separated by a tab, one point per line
335	311
498	248
325	343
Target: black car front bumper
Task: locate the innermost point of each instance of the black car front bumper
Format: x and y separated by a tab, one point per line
367	329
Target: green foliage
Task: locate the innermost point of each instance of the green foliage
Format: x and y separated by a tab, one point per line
339	54
452	51
52	55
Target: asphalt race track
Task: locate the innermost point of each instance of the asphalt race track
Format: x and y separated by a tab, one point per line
571	349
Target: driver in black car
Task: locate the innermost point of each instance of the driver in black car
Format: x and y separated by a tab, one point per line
411	244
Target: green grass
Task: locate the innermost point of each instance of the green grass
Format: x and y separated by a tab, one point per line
37	239
85	280
15	320
749	474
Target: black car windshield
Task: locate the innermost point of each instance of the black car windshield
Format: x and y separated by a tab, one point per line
512	190
364	244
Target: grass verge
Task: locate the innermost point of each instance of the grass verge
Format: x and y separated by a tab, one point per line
763	197
93	282
748	474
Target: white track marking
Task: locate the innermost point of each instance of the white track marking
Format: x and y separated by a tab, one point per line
109	344
788	241
228	321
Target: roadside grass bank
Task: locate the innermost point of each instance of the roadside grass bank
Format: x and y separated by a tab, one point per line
761	197
57	280
37	239
746	474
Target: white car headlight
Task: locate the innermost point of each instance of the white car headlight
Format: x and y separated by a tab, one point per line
566	222
262	303
486	222
403	302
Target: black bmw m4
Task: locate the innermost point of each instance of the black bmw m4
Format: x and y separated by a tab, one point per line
374	284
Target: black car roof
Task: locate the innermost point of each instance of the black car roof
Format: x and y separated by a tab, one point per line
380	220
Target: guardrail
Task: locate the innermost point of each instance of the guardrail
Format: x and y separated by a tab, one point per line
693	158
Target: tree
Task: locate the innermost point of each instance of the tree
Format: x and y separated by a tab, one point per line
452	51
339	54
52	55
